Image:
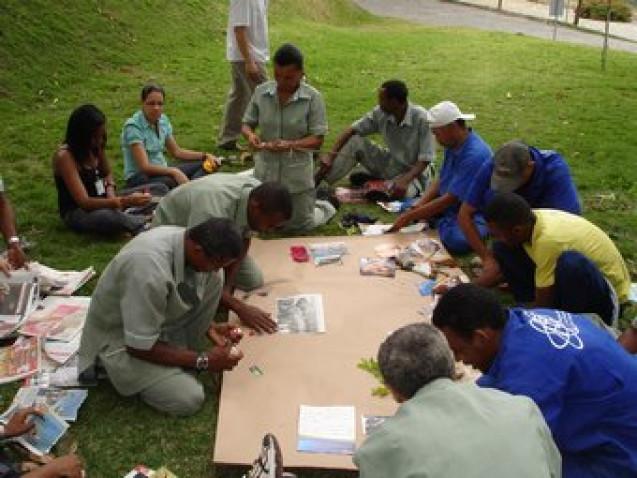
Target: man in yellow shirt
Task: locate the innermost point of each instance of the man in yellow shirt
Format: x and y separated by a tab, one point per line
577	266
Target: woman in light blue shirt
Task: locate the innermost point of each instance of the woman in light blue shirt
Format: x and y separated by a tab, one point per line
145	136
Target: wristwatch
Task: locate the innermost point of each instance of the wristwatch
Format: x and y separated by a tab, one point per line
13	241
201	363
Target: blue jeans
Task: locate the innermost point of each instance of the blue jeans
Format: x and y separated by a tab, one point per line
580	287
452	236
192	169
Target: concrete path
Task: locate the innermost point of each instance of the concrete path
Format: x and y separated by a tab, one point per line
440	13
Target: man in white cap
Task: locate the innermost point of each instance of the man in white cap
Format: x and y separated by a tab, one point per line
465	153
409	152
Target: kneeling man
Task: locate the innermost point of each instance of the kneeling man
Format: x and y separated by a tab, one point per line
151	308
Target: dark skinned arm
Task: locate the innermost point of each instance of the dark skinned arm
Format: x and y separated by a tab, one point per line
544	297
163	353
401	183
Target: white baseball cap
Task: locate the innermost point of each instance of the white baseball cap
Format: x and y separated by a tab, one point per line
445	113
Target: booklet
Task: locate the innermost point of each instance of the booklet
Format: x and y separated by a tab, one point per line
49	428
373	266
20	360
327	430
55	282
300	314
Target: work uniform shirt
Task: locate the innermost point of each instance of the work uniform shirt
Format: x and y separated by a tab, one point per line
457	430
137	129
252	14
556	232
302	116
550	187
459	167
217	195
147	294
584	382
408	142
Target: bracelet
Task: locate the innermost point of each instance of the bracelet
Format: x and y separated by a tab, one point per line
202	363
13	241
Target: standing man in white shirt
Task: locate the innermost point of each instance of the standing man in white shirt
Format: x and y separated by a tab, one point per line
247	50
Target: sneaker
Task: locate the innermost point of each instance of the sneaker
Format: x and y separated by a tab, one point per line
269	463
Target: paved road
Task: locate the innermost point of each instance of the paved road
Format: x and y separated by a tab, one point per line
440	13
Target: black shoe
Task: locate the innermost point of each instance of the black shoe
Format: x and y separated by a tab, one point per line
324	194
358	180
228	146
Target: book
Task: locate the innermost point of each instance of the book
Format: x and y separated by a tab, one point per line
372	266
327	430
20	360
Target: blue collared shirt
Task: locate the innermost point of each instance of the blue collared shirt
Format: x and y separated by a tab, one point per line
550	187
460	165
584	382
137	129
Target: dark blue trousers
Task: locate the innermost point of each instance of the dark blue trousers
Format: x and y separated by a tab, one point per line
580	287
451	234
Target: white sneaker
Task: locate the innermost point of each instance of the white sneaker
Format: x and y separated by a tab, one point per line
269	463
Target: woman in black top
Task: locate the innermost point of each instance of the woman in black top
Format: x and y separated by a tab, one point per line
87	199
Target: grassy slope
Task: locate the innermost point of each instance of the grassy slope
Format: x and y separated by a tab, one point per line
56	55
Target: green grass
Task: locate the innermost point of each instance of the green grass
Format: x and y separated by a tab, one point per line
57	55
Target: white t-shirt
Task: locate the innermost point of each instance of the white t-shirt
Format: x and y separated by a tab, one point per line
252	14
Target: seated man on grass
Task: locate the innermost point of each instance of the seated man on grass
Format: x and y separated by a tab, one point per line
450	429
252	206
153	305
465	153
541	177
576	266
405	131
582	380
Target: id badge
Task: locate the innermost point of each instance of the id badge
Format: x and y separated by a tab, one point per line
99	187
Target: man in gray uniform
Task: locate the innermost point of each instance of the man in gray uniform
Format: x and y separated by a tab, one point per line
152	306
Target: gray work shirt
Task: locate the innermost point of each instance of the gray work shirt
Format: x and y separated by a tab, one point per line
147	294
302	116
408	142
216	195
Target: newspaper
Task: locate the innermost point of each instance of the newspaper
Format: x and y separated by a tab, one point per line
57	318
52	375
18	295
20	360
300	314
55	282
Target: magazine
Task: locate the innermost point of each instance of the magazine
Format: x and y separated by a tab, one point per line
372	266
300	314
60	351
65	283
372	422
54	375
20	360
327	252
64	402
49	428
327	430
16	299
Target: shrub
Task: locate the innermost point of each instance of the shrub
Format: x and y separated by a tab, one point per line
620	11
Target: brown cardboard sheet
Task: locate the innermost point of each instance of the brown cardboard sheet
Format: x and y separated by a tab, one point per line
313	369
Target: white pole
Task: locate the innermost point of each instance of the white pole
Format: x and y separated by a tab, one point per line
606	32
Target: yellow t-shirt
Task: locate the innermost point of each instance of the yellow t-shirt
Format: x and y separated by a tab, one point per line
556	232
